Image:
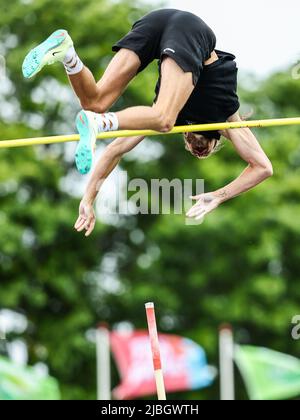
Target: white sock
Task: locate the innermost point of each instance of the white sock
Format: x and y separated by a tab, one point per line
107	122
72	62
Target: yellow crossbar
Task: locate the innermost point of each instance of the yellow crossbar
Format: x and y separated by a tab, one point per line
131	133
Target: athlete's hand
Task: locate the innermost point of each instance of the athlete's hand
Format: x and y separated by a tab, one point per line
86	220
206	203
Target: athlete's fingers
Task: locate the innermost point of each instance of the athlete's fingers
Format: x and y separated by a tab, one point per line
200	202
199	210
82	226
205	212
201	215
191	213
88	222
91	228
194	210
77	221
80	223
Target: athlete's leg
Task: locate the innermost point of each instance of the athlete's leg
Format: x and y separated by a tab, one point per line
176	88
99	97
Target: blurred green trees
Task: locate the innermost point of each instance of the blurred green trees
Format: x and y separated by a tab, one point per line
240	266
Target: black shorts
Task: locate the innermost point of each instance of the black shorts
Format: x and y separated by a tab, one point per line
180	35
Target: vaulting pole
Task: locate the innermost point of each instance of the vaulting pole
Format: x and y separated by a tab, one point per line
226	355
103	364
153	335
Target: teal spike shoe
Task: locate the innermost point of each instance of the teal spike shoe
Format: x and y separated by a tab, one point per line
52	50
87	128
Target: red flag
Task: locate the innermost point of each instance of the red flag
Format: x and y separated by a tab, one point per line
184	364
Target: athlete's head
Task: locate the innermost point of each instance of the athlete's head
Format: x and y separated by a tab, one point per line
202	145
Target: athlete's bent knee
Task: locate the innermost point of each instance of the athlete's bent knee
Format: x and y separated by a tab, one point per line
94	106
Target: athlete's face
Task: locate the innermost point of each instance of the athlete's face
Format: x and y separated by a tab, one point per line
199	146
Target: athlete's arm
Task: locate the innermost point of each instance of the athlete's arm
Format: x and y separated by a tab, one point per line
259	168
107	163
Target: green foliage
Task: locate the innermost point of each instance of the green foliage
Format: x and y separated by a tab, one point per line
240	266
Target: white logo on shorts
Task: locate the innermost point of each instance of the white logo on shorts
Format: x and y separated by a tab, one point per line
169	49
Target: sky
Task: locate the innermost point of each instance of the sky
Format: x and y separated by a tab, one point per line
263	34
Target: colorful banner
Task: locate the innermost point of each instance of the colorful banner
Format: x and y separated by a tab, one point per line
19	383
268	375
184	364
